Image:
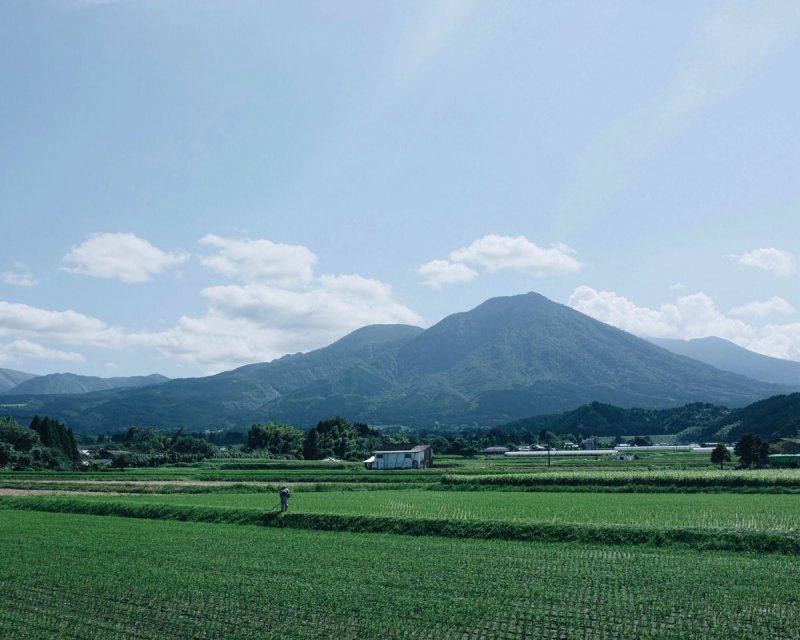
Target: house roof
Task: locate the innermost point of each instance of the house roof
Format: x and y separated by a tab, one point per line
402	448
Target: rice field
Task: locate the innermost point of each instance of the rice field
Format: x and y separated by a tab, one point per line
556	554
84	577
769	512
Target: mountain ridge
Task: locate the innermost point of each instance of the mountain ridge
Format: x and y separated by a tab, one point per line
728	356
73	383
508	358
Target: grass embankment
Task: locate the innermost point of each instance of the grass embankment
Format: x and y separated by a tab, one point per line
589	533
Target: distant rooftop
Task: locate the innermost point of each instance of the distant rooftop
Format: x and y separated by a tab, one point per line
405	448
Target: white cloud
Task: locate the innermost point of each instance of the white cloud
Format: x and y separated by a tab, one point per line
25	349
495	253
440	272
65	327
120	256
776	261
503	252
779	341
19	278
260	260
258	322
762	309
693	316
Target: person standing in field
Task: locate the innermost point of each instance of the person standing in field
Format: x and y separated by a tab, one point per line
285	495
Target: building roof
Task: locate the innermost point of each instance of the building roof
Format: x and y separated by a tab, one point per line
402	448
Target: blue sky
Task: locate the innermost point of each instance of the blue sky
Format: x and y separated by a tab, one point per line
189	186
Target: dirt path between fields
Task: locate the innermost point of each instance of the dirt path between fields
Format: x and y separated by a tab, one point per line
52	492
174	483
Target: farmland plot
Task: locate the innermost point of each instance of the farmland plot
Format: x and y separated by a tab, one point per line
76	576
768	512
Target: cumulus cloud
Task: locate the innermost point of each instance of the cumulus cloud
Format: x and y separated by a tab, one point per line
441	272
120	256
503	252
260	260
279	307
692	316
494	253
776	261
258	322
25	349
779	341
764	308
65	327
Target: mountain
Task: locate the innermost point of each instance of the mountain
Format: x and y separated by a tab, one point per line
10	378
506	359
70	383
727	356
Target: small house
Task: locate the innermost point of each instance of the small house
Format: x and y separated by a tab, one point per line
401	456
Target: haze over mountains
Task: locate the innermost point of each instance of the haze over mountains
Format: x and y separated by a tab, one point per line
727	356
71	383
506	359
10	378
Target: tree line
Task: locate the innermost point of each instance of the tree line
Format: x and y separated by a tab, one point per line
45	444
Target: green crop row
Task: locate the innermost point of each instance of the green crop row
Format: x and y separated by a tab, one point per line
81	577
787	480
595	533
770	512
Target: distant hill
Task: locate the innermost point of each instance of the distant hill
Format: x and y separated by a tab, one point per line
10	378
598	419
770	419
506	359
727	356
70	383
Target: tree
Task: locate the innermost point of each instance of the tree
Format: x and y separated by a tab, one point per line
20	438
277	439
752	451
341	438
720	455
191	446
55	435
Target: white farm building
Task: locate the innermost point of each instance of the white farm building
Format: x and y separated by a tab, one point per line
401	456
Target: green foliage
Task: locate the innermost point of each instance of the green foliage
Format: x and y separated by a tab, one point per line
145	440
340	438
48	444
19	438
720	455
277	439
55	435
770	419
191	446
599	419
752	451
